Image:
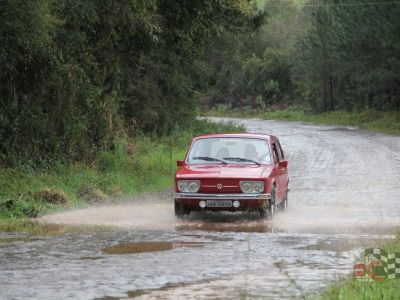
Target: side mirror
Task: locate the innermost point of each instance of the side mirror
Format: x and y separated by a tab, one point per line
283	163
179	163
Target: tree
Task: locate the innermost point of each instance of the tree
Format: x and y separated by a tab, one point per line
75	74
350	56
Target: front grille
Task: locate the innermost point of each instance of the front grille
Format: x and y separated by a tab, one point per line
226	186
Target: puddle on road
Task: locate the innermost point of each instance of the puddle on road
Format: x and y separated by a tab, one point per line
298	219
347	244
259	227
209	237
91	257
227	222
165	288
169	288
306	262
334	228
141	247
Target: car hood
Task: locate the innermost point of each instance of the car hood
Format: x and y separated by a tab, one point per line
223	171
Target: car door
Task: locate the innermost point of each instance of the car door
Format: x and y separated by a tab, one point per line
284	177
280	173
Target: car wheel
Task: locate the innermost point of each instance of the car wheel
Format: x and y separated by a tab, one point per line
268	211
284	204
181	210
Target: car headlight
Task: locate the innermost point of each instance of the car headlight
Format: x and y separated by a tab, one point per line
252	187
188	186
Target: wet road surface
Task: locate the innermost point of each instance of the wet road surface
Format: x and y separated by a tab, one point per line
344	198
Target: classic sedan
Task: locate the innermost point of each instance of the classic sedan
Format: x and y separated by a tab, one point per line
232	172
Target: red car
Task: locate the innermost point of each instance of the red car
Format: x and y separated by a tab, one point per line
232	172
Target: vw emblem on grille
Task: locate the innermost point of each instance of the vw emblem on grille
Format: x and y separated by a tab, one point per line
219	186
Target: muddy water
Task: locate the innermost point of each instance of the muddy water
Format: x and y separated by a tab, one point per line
344	198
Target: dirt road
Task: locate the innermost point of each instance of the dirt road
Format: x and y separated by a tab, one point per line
344	197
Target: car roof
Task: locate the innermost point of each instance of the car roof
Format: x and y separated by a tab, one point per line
237	135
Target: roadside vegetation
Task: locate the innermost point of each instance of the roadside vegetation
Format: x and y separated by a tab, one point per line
313	54
139	164
98	98
34	227
350	288
326	62
373	120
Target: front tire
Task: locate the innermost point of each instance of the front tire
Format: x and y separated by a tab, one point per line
268	211
181	210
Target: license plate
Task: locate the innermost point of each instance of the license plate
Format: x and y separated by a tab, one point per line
219	203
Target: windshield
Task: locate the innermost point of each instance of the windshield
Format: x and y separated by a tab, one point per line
229	150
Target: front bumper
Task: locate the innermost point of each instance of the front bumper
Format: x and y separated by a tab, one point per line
265	196
248	202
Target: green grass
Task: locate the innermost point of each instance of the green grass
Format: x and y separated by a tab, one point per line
385	122
33	227
141	164
349	288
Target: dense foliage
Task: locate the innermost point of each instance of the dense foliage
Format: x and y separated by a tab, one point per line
256	69
325	55
350	57
75	74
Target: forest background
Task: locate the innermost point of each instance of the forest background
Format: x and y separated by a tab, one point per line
98	97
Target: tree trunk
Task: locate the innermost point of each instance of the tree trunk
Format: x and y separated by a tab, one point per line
332	106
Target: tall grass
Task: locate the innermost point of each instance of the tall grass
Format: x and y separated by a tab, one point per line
349	288
139	164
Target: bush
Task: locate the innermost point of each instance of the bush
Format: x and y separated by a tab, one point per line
140	164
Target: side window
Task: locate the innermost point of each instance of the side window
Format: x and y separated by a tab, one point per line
276	155
280	152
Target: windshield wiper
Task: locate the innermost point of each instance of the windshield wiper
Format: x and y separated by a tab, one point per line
206	158
242	159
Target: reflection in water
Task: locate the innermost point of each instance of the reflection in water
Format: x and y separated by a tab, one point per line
227	227
226	222
140	247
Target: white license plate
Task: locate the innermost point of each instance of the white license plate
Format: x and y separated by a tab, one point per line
219	203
